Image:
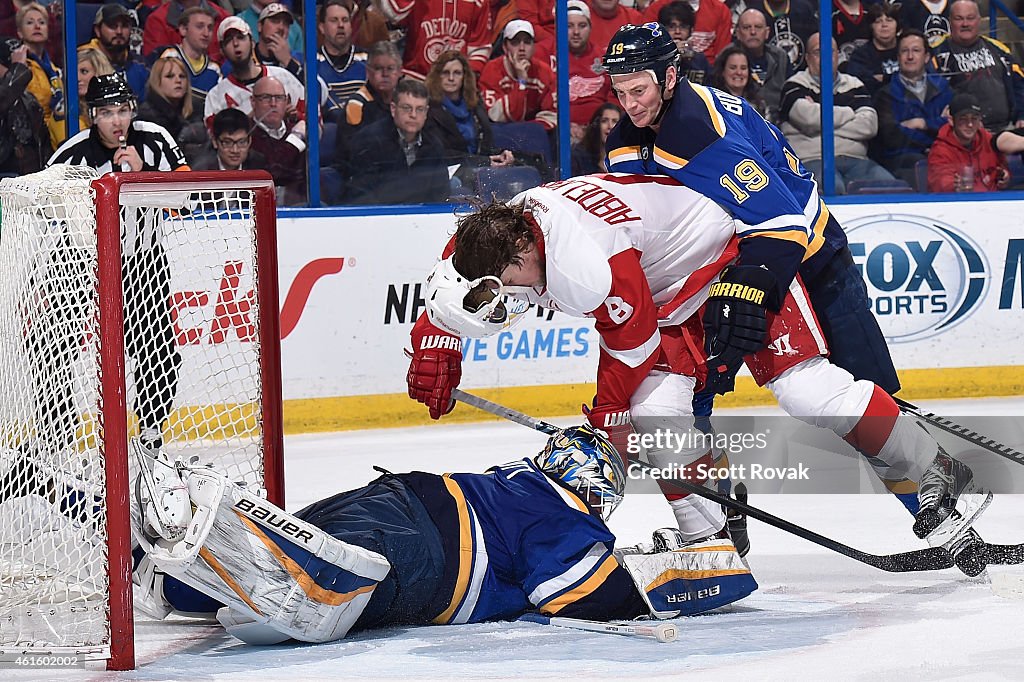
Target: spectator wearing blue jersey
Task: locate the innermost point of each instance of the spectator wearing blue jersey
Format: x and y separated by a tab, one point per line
855	120
912	107
196	29
111	30
340	66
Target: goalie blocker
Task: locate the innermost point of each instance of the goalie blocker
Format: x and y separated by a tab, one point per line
420	548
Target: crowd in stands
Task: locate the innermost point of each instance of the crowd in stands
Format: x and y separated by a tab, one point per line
417	97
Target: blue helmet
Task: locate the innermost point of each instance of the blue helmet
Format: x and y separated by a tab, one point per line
586	462
647	47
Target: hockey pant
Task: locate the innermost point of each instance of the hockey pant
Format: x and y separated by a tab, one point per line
805	384
281	577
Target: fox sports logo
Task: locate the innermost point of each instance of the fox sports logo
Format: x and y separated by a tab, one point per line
923	276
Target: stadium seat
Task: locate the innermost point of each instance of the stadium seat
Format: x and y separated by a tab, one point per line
328	144
503	183
878	187
921	175
523	137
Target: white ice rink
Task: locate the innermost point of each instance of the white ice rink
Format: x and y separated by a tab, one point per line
816	616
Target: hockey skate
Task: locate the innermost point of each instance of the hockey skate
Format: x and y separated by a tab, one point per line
736	522
946	485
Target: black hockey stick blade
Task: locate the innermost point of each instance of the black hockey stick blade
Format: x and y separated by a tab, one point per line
930	559
967	434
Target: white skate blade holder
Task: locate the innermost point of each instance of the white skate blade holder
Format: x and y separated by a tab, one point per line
970	505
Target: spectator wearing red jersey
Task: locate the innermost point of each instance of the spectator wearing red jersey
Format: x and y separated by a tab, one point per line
518	86
712	25
434	26
161	28
607	17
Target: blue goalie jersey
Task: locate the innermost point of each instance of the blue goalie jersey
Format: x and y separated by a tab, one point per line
515	540
718	145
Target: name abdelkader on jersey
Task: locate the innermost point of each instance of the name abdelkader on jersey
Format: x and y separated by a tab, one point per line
718	145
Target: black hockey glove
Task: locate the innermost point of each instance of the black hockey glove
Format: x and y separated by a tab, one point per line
735	323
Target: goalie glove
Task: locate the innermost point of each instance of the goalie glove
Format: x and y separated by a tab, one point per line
735	322
435	368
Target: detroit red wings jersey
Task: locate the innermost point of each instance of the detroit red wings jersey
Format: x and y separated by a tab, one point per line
633	252
437	25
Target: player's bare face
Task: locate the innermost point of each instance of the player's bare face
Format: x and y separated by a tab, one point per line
336	29
198	33
579	32
529	273
112	124
639	96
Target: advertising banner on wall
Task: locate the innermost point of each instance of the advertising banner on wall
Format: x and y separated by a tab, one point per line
945	281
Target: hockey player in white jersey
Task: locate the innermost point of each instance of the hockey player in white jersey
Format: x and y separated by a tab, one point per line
643	255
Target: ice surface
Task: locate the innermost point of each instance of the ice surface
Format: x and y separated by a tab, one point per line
817	615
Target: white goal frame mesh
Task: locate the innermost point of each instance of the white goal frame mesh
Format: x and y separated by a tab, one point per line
132	305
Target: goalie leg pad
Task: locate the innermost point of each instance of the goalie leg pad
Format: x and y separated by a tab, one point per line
269	565
690	580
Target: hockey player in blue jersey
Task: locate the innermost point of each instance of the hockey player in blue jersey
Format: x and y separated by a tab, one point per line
420	548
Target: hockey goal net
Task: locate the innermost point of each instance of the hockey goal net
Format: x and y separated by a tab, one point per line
132	305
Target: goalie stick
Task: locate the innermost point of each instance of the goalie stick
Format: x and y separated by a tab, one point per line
930	559
967	434
663	632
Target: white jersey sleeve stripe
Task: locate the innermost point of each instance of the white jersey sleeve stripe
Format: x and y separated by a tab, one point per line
479	570
634	357
551	587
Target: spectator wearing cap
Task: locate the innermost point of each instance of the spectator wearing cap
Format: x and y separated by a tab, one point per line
963	158
589	87
24	144
876	60
678	18
712	24
272	48
912	108
46	85
981	66
196	29
161	27
433	26
517	86
340	66
395	160
232	145
235	90
280	139
112	29
251	16
768	63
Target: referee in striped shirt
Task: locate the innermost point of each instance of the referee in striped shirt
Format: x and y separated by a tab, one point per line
118	142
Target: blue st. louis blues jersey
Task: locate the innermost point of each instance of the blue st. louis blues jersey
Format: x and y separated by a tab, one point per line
718	145
515	541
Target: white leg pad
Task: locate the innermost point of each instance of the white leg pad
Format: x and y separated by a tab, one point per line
268	565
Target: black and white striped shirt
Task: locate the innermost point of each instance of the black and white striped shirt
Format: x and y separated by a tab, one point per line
158	151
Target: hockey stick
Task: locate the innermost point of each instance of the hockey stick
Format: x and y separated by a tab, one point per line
930	559
663	632
962	431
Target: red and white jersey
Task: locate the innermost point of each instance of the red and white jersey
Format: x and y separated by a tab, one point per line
633	252
434	26
231	93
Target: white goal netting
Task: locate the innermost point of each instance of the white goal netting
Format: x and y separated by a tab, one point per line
194	375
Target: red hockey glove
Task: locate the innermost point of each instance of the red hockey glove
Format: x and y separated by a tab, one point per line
614	422
435	369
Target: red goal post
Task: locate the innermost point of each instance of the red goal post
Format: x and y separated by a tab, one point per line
127	301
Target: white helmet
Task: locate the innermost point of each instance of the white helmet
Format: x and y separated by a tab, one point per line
450	307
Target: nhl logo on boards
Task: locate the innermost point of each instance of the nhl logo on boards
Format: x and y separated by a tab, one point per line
923	276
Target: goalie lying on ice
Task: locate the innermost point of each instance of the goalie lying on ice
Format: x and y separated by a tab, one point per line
420	548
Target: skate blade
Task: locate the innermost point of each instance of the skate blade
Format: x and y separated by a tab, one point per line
969	507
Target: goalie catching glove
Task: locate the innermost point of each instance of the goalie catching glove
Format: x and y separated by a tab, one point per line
736	322
435	369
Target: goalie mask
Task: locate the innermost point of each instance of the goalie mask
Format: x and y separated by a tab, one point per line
586	462
469	307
